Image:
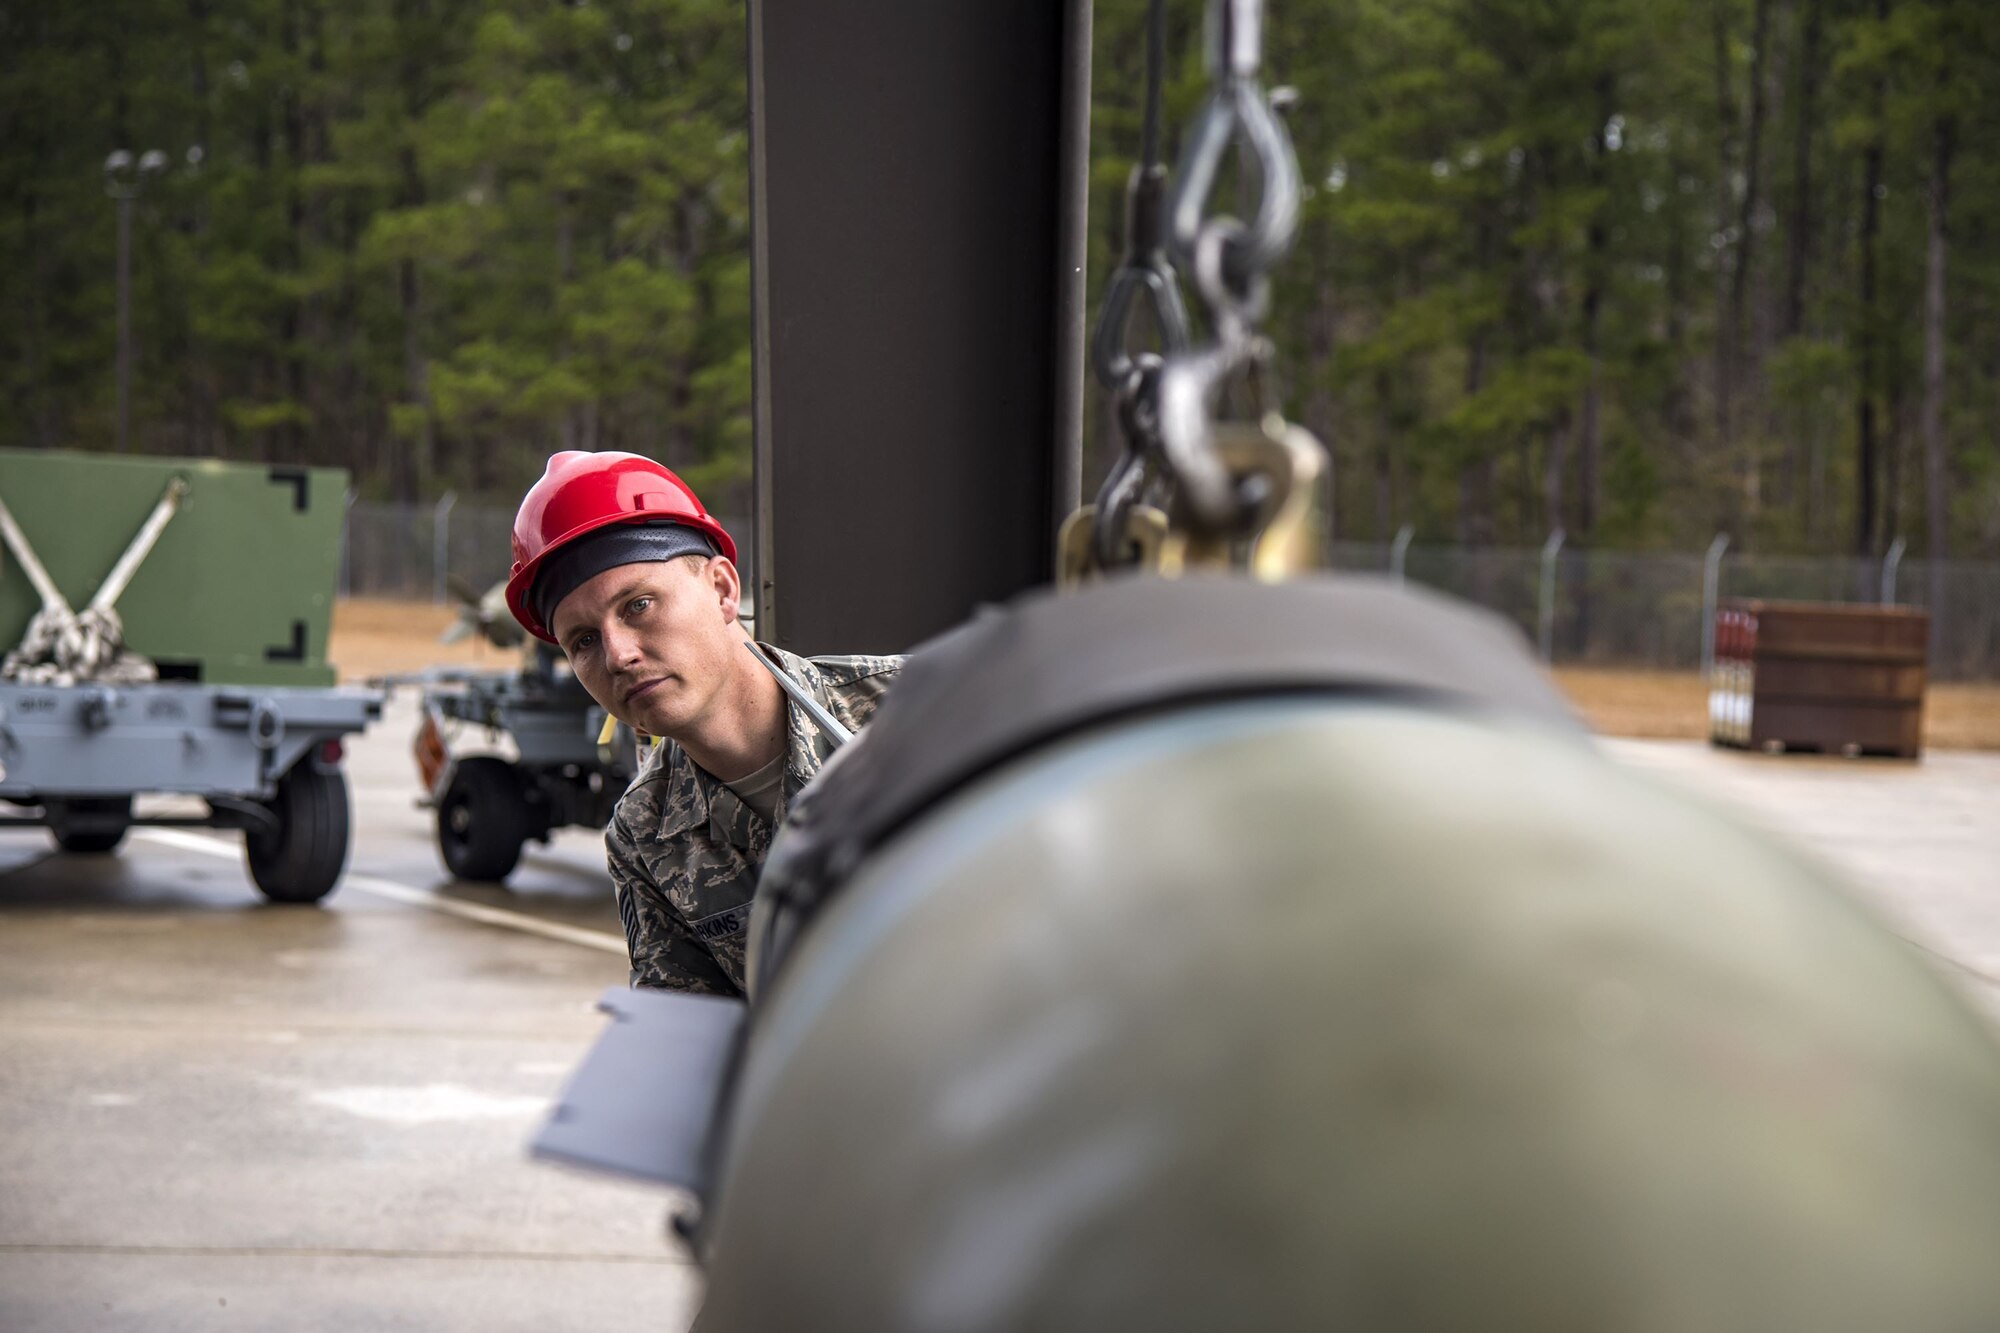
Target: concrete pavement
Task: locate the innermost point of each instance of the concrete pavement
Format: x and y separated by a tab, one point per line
1919	840
215	1113
220	1114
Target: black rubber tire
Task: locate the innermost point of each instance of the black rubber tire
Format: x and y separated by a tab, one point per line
90	825
301	861
483	820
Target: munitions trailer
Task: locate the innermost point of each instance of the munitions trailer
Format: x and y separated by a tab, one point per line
196	667
490	803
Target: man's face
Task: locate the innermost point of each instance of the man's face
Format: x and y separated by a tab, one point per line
653	643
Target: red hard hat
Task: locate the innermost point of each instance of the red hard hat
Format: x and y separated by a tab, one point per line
582	492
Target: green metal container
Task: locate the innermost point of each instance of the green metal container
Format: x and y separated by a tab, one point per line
239	589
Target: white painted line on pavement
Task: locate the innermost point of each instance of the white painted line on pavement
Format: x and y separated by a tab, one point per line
188	842
490	916
404	893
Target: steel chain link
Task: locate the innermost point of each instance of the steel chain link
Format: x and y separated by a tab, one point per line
1168	398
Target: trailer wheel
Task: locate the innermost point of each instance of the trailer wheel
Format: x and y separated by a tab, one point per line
483	820
90	825
302	859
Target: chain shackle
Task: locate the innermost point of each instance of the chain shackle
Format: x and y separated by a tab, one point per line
1227	257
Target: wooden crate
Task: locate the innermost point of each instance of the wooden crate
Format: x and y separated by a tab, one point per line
1819	677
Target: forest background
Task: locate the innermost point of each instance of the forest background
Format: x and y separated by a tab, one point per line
1643	269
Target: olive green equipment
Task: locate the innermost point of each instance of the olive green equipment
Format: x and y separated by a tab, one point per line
237	586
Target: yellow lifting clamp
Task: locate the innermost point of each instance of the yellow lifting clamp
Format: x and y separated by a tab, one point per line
1283	539
1279	540
1145	537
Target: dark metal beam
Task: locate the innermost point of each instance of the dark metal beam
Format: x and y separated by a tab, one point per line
917	185
1073	251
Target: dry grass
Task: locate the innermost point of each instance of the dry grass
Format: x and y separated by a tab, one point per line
376	638
1662	704
1674	705
372	638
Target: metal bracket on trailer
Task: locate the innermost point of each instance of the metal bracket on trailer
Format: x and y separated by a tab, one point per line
174	737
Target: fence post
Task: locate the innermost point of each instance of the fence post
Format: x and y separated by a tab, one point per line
347	545
1550	549
1711	588
441	544
1399	551
1890	563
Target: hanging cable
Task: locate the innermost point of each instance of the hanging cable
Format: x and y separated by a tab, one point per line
1145	277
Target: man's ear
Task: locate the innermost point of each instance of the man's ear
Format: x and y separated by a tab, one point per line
727	585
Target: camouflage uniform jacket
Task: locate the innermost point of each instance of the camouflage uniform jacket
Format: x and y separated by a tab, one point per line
685	852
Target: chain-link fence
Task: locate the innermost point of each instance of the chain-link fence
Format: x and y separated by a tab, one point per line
1585	607
1647	609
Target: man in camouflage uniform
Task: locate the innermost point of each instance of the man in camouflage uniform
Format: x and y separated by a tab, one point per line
685	847
639	588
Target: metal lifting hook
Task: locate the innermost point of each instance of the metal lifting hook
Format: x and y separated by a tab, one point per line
1190	387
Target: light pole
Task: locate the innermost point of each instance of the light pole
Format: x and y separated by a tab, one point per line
123	179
